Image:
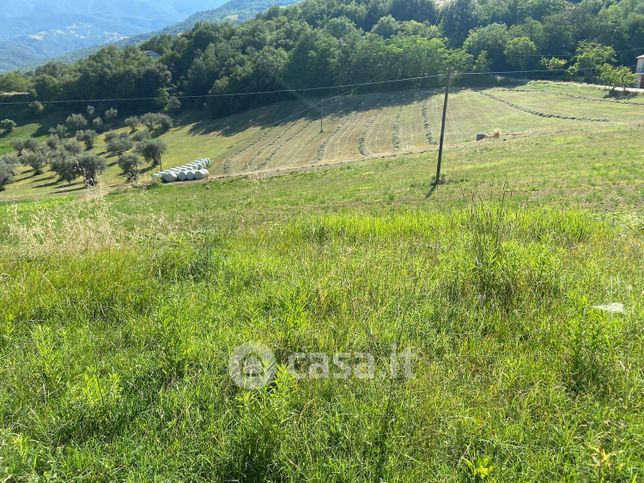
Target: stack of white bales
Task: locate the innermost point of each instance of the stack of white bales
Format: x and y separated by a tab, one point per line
188	172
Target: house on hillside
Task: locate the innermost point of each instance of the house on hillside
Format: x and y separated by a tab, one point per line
640	72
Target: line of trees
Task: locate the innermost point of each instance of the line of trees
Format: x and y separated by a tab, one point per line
327	42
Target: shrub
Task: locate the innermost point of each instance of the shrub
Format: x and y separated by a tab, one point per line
90	167
154	121
129	164
616	76
7	125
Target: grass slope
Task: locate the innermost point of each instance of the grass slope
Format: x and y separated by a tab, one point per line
359	127
120	312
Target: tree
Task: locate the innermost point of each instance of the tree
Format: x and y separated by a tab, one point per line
152	150
482	62
88	137
459	17
130	164
21	145
59	130
76	122
53	142
90	167
98	124
119	144
91	111
111	114
520	52
616	77
66	167
133	122
8	165
589	57
153	120
173	105
36	160
8	125
71	146
386	27
553	63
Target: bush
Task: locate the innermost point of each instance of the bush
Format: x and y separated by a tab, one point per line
8	125
90	167
129	164
616	76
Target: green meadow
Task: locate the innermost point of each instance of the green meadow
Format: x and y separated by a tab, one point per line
121	308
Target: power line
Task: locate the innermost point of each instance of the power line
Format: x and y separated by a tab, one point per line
562	56
285	91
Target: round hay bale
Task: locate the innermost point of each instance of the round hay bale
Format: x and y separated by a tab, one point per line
181	176
190	175
199	174
169	177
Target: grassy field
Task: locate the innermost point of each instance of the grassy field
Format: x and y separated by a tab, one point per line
120	309
357	127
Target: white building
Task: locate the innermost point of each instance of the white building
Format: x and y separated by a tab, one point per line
640	72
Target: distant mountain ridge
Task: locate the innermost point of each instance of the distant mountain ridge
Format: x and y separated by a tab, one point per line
234	11
33	31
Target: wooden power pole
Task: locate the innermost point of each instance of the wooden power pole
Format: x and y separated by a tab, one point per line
321	115
442	140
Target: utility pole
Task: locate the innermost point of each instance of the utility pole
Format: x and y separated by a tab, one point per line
321	115
440	146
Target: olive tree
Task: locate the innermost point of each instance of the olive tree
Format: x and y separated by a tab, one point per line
130	165
7	125
152	150
90	167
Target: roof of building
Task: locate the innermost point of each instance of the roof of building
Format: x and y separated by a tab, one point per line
641	56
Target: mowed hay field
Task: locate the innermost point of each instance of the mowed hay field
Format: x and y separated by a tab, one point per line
119	311
358	127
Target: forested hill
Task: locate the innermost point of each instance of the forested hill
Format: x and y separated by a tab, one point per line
329	42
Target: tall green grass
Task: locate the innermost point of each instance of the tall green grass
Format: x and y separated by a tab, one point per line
115	333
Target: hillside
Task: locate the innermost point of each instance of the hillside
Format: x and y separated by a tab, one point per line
33	31
358	127
489	332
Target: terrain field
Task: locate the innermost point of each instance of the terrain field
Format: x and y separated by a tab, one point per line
359	127
120	309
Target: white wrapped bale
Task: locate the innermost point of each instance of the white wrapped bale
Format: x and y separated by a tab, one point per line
201	174
190	176
181	176
169	177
